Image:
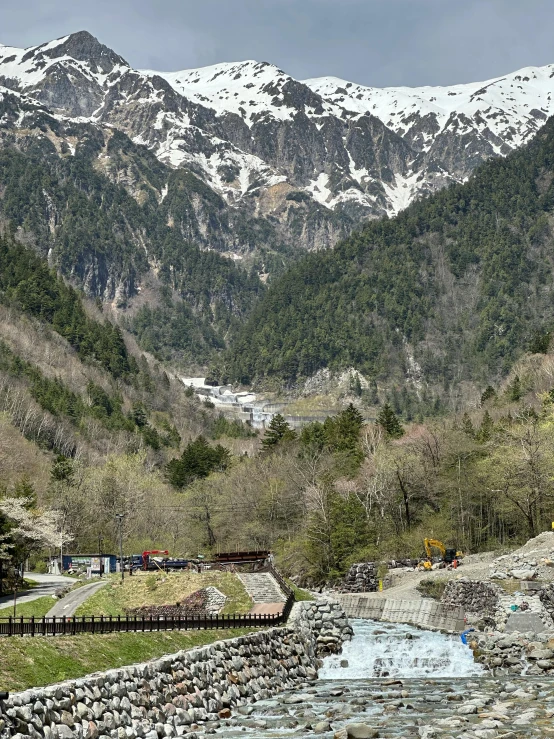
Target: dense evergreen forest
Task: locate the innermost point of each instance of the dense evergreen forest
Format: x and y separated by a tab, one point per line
460	282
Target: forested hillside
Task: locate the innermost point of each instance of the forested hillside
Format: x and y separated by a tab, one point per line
88	424
90	428
119	223
343	491
453	289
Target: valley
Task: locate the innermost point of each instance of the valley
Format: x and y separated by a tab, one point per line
265	339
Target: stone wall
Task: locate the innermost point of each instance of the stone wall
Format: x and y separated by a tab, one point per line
531	654
361	578
474	596
175	695
324	622
546	595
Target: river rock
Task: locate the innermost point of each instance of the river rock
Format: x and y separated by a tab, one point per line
524	574
360	731
321	727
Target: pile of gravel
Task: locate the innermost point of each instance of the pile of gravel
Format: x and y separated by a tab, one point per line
534	560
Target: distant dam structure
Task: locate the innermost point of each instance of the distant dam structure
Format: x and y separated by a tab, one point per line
244	406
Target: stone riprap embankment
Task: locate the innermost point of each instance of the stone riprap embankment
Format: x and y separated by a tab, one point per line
546	596
531	654
360	578
478	599
174	695
324	621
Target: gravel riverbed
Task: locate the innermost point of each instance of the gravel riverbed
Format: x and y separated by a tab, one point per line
472	708
395	681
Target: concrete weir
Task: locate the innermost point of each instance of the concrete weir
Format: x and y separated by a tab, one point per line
427	614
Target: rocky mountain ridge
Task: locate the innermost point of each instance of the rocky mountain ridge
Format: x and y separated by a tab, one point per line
310	158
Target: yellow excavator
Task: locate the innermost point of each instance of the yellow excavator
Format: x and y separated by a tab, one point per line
449	555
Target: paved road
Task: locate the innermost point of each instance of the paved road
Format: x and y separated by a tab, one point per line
68	605
47	585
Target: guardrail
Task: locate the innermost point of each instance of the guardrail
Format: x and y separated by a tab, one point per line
285	587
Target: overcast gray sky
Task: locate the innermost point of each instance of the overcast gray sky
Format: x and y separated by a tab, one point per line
373	42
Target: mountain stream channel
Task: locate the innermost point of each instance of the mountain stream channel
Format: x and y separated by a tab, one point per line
397	681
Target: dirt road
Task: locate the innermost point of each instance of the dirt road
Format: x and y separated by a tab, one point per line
475	566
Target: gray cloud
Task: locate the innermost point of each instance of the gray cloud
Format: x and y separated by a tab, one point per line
374	42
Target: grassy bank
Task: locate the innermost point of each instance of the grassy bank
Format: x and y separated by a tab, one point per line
33	662
37	608
149	588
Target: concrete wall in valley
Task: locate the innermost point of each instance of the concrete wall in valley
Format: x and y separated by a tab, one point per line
173	696
427	614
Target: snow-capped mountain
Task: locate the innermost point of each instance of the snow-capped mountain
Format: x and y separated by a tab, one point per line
315	156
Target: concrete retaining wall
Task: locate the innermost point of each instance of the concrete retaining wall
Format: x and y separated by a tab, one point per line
427	614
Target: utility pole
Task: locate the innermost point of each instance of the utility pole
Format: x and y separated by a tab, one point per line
120	517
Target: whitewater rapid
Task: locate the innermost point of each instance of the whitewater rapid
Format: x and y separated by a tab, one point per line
394	650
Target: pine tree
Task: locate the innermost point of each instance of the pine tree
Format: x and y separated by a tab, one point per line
277	432
540	342
139	415
388	419
486	429
488	394
515	390
356	385
198	460
467	426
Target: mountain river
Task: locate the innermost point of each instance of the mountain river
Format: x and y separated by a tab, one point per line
397	681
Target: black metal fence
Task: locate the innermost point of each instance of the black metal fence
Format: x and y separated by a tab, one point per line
68	626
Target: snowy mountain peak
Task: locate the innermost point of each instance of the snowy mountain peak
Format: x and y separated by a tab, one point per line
510	107
81	52
272	144
249	89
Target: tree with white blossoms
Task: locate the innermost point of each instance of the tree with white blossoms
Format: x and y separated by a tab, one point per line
31	529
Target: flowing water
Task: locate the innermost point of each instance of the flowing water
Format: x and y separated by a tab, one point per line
395	650
401	682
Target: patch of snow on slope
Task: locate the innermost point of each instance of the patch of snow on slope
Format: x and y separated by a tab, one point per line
401	194
319	190
251	169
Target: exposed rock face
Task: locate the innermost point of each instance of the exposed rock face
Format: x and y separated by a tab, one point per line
340	152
